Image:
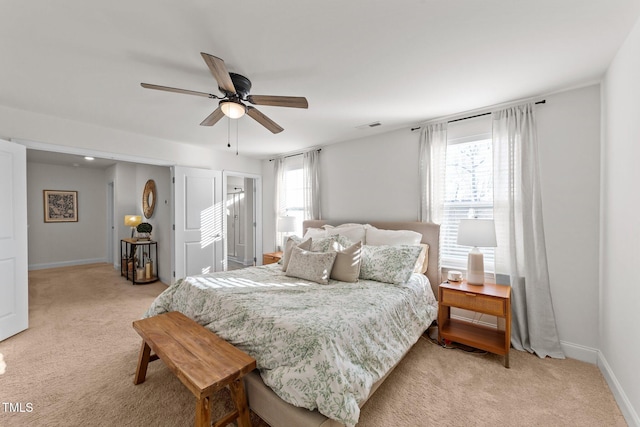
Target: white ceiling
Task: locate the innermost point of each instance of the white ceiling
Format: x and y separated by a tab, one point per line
63	159
398	62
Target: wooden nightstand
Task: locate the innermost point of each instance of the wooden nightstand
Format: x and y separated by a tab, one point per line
271	257
489	299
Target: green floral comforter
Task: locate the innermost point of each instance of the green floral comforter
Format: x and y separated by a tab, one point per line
317	346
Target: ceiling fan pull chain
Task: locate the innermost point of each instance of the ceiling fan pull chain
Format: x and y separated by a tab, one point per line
229	132
237	137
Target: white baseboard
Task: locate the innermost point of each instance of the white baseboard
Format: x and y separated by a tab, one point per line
588	355
580	352
245	262
66	263
629	413
574	351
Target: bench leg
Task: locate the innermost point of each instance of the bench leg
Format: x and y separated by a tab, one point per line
240	398
203	412
143	361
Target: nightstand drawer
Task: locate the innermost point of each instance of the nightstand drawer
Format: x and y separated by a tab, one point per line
475	302
271	258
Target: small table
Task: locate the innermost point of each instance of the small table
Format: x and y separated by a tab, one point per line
488	299
271	257
129	258
204	362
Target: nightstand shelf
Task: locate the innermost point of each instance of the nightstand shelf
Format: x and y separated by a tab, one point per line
478	336
487	299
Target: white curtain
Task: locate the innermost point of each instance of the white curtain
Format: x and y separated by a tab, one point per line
433	152
278	209
521	251
311	184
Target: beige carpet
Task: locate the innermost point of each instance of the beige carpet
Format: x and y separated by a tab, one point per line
75	367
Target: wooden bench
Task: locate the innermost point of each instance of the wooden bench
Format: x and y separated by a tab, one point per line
204	362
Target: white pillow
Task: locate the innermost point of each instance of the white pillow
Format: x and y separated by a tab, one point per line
353	232
389	264
422	264
377	237
315	233
314	266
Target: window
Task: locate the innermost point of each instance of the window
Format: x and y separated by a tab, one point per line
292	193
468	194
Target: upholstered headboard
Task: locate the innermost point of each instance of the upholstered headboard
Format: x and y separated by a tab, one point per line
430	235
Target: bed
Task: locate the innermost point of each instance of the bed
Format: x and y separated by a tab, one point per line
322	346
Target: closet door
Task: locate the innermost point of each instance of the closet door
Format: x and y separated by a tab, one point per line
14	302
198	210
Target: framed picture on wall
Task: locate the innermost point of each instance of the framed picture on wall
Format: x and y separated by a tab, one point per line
60	206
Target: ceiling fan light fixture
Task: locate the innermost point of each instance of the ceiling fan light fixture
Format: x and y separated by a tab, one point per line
233	110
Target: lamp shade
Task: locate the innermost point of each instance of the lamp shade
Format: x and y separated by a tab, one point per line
132	220
233	110
286	224
477	233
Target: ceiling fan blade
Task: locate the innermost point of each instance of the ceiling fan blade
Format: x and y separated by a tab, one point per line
220	72
213	118
263	120
279	101
176	90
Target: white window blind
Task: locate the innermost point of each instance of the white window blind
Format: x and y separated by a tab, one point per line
468	194
292	196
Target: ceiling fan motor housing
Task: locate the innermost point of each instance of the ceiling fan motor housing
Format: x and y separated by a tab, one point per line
242	85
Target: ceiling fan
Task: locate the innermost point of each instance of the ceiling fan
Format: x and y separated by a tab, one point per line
236	90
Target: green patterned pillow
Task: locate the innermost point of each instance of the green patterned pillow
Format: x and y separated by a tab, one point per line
290	243
314	266
343	242
389	264
331	243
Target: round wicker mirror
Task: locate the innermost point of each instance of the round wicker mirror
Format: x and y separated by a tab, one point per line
149	198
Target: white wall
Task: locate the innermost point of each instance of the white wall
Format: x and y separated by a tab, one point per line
66	243
161	218
25	125
371	178
376	178
268	209
620	249
569	150
125	203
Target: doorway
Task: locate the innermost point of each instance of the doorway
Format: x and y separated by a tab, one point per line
103	201
241	222
111	227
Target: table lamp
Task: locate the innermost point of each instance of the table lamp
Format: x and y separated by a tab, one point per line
132	221
476	233
286	224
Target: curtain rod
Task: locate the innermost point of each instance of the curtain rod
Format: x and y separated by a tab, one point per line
298	154
544	101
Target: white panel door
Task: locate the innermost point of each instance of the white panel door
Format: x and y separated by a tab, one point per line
198	221
14	290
